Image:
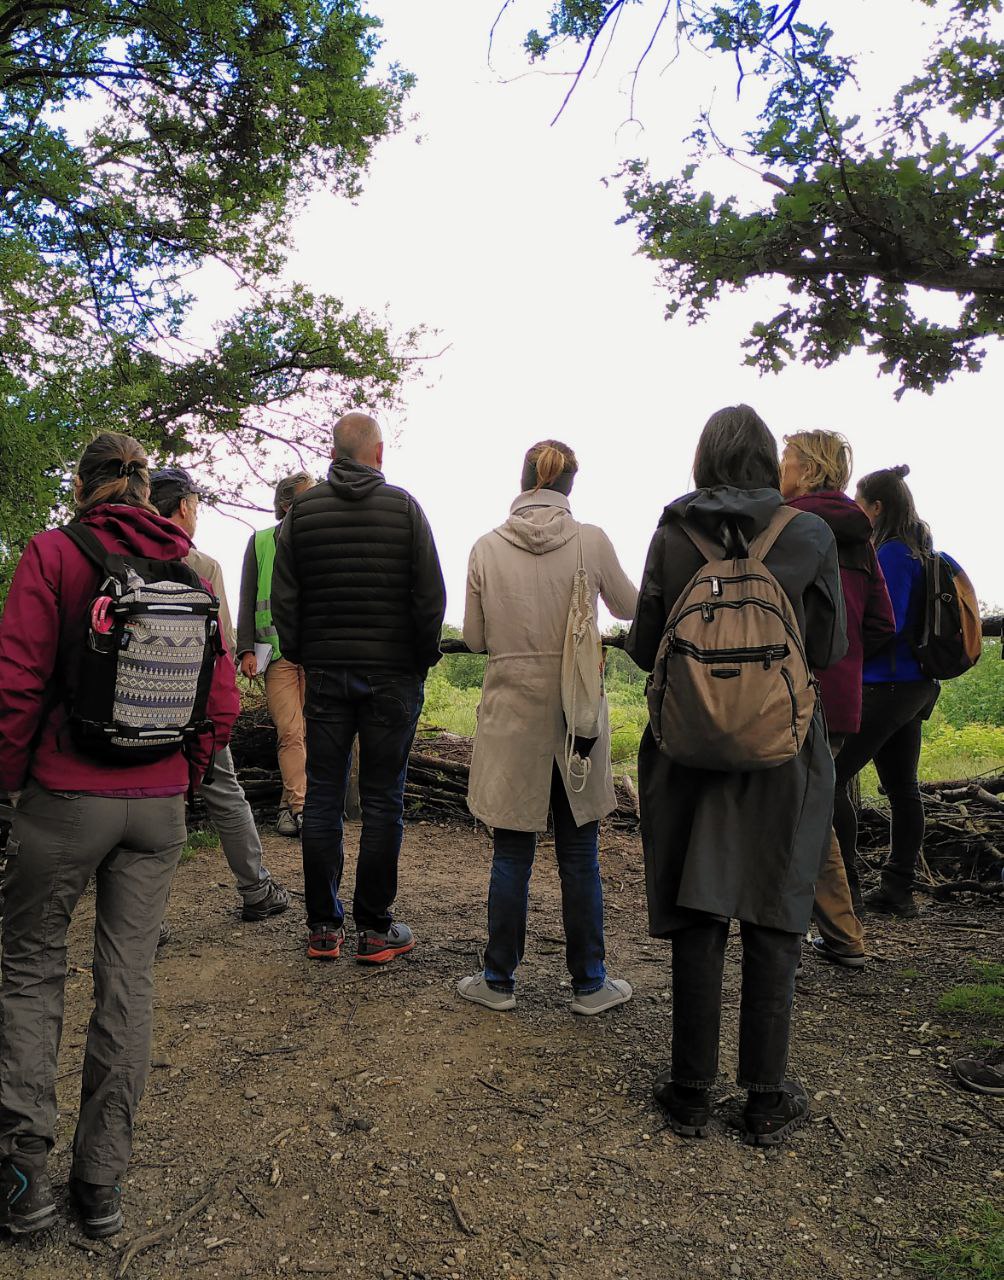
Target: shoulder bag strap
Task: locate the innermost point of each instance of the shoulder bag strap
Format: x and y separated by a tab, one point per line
709	550
87	541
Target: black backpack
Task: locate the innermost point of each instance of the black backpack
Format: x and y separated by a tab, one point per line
949	636
143	678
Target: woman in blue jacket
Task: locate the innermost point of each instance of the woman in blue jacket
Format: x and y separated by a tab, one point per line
898	698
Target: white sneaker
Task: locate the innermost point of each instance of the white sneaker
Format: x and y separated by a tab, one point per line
614	991
478	991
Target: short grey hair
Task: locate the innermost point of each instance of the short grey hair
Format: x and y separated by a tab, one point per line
354	433
285	491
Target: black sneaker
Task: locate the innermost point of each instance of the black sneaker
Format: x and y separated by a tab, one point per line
842	958
687	1110
26	1203
982	1073
100	1208
770	1117
892	904
274	903
374	946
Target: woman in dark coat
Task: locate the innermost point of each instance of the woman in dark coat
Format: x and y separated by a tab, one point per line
736	845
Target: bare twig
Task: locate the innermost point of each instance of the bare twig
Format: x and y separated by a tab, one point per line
461	1220
167	1232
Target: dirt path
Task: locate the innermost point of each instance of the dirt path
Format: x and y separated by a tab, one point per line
368	1123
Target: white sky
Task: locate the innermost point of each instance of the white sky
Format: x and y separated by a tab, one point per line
485	224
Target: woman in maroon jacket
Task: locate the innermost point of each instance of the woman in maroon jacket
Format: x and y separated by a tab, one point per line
815	470
79	817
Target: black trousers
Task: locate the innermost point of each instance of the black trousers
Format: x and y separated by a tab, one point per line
770	957
892	718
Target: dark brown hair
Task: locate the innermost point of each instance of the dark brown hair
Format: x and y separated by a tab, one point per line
898	520
737	450
114	468
548	461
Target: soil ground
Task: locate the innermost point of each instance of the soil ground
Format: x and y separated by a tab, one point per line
359	1122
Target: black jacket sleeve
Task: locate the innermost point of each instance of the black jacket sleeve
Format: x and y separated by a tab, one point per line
643	639
247	601
428	592
286	593
825	615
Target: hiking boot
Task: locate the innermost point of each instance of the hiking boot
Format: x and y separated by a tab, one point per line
26	1202
892	904
375	946
982	1075
165	933
770	1117
99	1207
477	990
687	1110
614	991
325	941
286	823
820	948
274	903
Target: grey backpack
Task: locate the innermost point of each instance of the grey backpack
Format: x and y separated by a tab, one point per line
142	679
731	688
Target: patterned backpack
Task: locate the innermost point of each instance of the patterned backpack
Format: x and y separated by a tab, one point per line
731	688
142	684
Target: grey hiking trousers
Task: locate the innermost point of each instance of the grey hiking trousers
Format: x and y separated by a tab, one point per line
231	815
58	841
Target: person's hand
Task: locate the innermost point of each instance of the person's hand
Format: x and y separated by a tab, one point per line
249	666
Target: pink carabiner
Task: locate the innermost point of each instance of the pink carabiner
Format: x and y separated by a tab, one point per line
101	623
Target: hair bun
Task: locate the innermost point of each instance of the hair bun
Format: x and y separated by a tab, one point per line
902	471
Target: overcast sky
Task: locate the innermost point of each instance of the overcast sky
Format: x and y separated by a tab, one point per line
496	230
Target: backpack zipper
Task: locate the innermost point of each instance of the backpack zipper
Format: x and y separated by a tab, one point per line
738	604
767	654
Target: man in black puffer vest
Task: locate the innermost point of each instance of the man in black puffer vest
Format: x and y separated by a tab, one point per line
358	600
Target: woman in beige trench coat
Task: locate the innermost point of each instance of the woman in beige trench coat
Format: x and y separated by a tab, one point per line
519	585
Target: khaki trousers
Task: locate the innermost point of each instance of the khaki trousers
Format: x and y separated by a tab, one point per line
833	910
284	693
58	841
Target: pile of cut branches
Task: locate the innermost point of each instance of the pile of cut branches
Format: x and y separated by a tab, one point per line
963	840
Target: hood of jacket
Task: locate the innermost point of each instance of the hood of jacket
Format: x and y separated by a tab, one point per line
539	522
851	527
354	480
849	523
708	510
141	533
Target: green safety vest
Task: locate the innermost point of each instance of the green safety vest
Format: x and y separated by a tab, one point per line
264	627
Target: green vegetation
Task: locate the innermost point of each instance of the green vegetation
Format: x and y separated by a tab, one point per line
963	738
975	1252
201	839
139	141
863	198
983	998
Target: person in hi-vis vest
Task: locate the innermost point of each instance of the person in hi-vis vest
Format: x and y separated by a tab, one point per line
284	686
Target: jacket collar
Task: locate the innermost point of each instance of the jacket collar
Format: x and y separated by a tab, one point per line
540	498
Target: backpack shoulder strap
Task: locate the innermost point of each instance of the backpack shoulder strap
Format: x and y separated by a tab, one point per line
708	549
87	541
761	545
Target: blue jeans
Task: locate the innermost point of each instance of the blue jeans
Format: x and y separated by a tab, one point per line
383	710
581	898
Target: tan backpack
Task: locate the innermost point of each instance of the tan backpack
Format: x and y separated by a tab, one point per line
731	688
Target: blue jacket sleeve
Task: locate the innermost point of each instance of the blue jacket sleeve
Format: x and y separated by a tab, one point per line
897	567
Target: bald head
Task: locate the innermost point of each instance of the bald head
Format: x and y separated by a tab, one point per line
357	436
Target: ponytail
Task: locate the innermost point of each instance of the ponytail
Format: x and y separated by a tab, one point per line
549	464
898	520
114	468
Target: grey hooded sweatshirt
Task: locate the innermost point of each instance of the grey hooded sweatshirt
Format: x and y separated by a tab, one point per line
519	584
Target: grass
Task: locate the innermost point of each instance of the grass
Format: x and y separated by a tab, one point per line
197	842
983	998
975	1252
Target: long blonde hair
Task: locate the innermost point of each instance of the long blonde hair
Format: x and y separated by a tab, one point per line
827	457
114	468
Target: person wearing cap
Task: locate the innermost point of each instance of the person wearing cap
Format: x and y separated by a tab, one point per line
284	681
175	495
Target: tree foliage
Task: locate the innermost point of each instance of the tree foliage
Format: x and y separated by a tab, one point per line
866	210
139	141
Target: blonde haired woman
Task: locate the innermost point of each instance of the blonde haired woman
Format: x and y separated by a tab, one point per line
519	585
815	471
